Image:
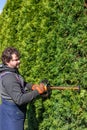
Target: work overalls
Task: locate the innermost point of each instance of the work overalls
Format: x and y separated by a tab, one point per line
12	116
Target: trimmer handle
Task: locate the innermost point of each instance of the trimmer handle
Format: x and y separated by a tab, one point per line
47	85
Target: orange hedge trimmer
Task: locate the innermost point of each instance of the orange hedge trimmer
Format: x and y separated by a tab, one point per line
49	88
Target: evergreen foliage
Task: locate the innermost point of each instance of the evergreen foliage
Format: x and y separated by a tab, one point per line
52	38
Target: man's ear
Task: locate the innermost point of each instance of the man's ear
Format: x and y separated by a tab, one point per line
85	4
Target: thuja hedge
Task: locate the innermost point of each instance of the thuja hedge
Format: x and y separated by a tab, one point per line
52	38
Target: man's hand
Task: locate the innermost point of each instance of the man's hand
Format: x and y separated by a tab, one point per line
40	88
34	86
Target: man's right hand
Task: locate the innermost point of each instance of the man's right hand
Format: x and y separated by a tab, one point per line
40	88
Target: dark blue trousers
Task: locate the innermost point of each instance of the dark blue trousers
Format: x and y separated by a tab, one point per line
12	117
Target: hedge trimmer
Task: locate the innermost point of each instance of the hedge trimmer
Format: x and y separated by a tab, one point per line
49	88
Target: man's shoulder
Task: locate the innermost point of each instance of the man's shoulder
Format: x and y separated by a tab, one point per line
8	75
5	73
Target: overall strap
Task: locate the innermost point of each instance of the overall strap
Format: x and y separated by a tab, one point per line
4	73
17	77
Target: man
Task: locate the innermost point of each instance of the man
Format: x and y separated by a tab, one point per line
14	92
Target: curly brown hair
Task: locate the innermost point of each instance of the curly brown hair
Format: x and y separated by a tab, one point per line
7	54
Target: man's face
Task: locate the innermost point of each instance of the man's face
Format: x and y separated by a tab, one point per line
14	62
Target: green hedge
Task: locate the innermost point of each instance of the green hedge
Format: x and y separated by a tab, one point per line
52	38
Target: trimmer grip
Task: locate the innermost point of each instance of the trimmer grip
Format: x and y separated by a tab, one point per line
47	86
